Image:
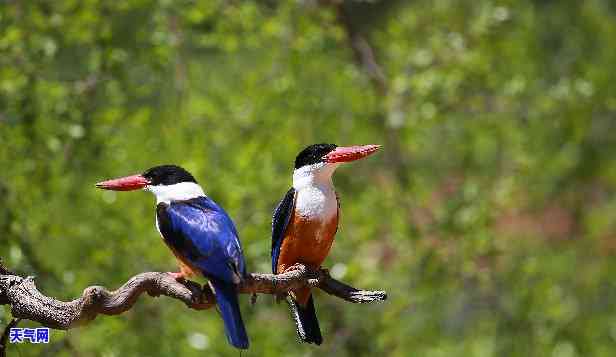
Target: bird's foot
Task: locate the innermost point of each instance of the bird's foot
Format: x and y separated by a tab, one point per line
177	276
203	305
253	299
294	267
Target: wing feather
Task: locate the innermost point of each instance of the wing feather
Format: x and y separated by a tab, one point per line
280	221
202	232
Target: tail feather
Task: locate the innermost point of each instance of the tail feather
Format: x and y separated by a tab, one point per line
227	301
306	321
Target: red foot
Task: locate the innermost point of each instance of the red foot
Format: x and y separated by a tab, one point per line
177	276
296	266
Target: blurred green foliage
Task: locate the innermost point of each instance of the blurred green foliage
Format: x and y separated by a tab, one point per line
488	216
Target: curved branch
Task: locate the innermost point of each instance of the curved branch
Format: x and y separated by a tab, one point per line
28	303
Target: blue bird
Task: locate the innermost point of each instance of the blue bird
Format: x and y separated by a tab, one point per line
199	233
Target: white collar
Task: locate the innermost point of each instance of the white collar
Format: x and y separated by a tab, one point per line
178	192
319	174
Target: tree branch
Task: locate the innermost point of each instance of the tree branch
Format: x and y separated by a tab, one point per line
28	303
362	50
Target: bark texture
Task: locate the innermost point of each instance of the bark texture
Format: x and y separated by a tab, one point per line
27	302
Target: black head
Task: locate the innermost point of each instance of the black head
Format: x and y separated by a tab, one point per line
313	154
167	175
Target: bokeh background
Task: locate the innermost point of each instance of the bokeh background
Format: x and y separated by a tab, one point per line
487	216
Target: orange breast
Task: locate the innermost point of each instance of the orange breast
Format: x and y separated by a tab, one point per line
185	267
307	242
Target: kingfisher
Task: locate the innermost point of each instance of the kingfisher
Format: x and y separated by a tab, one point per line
305	223
199	233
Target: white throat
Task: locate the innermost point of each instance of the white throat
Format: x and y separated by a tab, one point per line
178	192
316	196
319	174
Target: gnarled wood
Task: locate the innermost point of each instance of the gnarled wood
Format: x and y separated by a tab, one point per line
27	302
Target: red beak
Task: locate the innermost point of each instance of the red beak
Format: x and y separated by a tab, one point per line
350	153
127	183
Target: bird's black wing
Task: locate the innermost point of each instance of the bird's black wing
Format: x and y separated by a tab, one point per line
280	221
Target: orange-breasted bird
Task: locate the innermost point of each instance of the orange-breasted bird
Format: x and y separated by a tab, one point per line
305	223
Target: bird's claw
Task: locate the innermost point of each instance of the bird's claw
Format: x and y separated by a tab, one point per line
201	305
294	267
253	298
177	276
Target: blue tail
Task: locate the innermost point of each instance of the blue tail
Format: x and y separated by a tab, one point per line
226	298
306	321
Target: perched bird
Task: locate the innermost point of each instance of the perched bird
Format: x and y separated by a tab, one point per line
199	233
305	223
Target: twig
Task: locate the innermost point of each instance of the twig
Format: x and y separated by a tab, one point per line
362	50
4	270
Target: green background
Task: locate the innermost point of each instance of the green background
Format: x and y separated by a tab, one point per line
487	215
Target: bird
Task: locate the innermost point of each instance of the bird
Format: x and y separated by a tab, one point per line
305	223
199	233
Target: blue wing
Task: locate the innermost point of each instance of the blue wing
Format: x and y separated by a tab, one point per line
203	233
280	221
